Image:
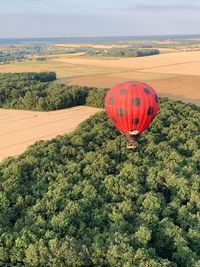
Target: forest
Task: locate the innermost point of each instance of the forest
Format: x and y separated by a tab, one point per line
117	51
84	200
130	52
36	91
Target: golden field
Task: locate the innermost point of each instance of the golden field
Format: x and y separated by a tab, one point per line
23	128
92	45
143	63
176	74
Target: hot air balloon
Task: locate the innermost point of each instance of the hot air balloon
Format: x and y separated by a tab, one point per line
131	107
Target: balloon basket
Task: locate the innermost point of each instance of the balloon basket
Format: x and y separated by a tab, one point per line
132	145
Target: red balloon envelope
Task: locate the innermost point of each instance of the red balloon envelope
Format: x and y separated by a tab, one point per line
131	106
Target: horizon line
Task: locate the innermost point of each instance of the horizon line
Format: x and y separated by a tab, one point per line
102	36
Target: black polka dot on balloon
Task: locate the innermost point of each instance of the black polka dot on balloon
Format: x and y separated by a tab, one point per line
156	98
111	100
121	112
147	91
135	121
114	119
150	111
136	101
123	92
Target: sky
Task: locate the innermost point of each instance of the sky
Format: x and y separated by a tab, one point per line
82	18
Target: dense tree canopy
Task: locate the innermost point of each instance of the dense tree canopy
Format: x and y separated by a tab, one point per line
117	51
84	200
129	52
36	91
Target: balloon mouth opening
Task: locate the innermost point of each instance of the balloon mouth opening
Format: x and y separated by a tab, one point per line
134	132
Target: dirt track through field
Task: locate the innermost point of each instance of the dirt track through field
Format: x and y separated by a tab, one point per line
19	128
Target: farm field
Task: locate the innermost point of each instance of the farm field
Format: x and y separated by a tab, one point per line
144	63
177	87
92	45
23	128
62	69
176	75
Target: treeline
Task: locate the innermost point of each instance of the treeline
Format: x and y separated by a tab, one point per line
35	91
116	51
129	52
84	200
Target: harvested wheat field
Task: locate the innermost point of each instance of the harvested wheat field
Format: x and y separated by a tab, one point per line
20	128
93	45
176	75
178	87
168	60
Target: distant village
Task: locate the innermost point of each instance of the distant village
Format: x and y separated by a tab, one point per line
17	54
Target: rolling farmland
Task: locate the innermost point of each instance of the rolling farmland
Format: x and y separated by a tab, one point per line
176	75
23	128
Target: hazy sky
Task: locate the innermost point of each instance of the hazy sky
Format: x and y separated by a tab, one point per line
65	18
